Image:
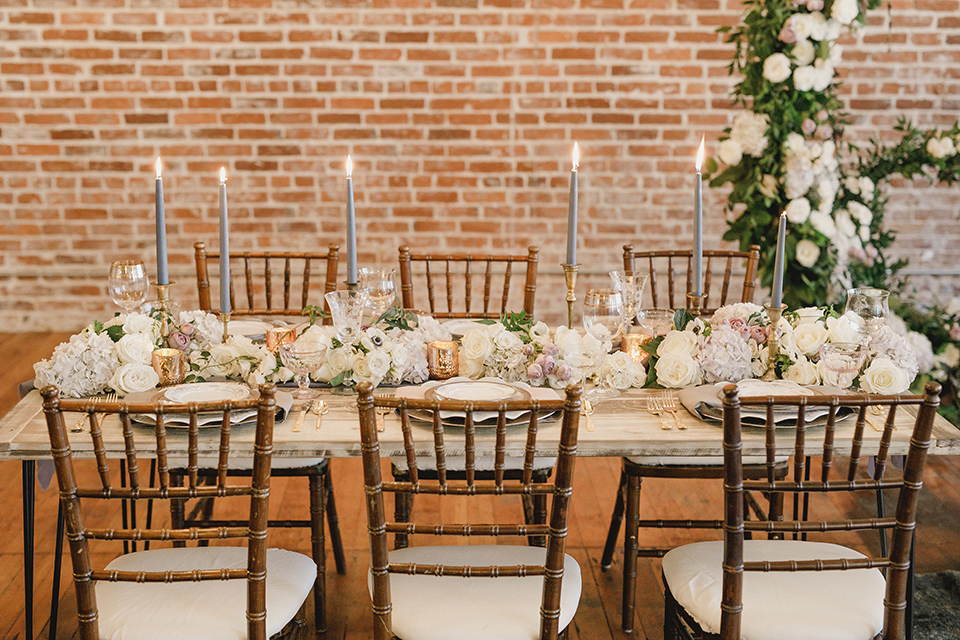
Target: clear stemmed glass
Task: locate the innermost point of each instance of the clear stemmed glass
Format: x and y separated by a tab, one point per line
842	362
128	284
380	285
603	318
655	322
347	307
871	305
631	286
303	359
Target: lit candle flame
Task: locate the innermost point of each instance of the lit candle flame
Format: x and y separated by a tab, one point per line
700	153
158	166
349	167
223	175
576	156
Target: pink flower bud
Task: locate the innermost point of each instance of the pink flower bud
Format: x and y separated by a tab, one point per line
549	365
528	349
815	5
788	35
808	126
551	349
955	332
178	340
187	329
534	371
759	334
564	372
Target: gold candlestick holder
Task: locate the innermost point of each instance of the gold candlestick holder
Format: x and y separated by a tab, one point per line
351	286
225	319
163	307
773	340
570	278
696	304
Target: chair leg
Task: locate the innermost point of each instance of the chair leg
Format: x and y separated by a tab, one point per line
57	563
669	615
540	510
630	546
317	500
335	540
614	531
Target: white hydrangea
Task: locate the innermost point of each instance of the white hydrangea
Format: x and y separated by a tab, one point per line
750	131
725	355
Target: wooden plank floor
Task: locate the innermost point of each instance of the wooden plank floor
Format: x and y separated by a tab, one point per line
595	484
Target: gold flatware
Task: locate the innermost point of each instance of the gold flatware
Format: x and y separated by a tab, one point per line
586	410
78	427
298	426
381	419
320	408
670	406
655	407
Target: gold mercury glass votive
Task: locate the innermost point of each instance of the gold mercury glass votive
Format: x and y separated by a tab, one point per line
443	359
170	365
277	336
632	345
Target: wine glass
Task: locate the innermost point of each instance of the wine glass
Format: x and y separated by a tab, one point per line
631	286
380	286
128	284
655	322
871	305
303	359
347	307
603	318
843	362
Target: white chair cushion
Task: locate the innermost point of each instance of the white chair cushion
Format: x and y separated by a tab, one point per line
703	461
246	464
442	608
212	609
482	463
781	605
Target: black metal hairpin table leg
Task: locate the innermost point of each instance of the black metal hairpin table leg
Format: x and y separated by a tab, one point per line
28	473
57	562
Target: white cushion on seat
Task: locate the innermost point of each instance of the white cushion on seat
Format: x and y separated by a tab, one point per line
703	461
443	608
481	463
780	605
212	609
245	464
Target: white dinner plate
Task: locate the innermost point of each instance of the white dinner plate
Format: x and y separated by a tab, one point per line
207	392
252	329
474	390
460	326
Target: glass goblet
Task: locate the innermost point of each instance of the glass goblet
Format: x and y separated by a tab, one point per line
655	322
841	362
871	305
128	284
347	307
380	286
603	318
631	286
303	359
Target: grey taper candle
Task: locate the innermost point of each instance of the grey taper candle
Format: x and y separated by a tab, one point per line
163	276
572	209
224	246
351	228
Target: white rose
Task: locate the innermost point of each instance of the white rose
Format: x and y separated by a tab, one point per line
884	377
809	314
807	253
866	187
141	323
776	68
567	340
677	370
823	223
618	362
470	368
730	152
846	329
822	77
810	337
134	377
950	356
802	372
379	362
339	360
804	78
135	348
477	345
674	341
798	210
361	368
845	11
804	52
507	341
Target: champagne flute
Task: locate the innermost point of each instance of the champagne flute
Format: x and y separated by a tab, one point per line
303	359
128	284
871	305
603	318
655	322
380	286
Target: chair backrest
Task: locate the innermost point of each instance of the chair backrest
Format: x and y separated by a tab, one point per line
79	535
718	265
831	479
426	270
259	279
474	444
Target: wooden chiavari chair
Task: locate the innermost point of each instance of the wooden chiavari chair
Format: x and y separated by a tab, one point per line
751	589
496	273
635	469
260	280
470	590
196	592
720	287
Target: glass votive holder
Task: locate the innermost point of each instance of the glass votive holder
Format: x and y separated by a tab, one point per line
632	345
170	365
443	359
276	336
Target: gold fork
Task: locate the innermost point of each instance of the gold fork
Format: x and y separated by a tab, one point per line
586	410
655	407
670	406
78	427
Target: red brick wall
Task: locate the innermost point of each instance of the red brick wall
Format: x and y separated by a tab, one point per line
460	116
